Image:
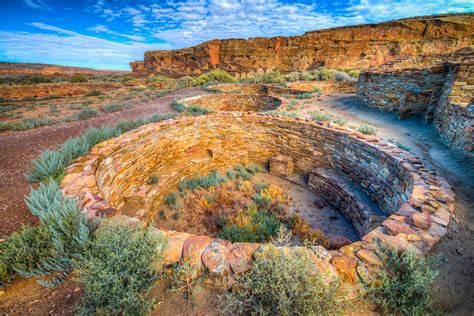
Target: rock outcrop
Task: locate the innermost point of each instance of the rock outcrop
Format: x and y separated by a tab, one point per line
420	39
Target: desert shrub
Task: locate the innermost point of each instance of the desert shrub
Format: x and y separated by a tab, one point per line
119	270
305	95
79	78
171	200
339	120
317	90
213	77
52	163
23	251
282	113
93	93
211	180
68	226
269	77
355	73
196	110
85	113
343	76
252	225
184	82
367	129
322	73
178	106
153	179
186	280
114	107
283	282
321	116
406	285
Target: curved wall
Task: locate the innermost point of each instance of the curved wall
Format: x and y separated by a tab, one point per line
235	102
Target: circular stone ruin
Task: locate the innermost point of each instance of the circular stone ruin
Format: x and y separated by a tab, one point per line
416	203
234	102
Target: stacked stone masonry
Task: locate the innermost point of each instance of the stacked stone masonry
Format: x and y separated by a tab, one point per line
419	202
443	94
234	102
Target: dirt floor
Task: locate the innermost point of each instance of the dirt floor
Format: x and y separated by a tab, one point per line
455	250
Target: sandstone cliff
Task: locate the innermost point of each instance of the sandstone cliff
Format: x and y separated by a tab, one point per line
361	46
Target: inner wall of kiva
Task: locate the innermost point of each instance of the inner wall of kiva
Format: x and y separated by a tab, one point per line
216	142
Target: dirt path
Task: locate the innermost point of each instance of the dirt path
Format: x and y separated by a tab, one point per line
456	250
18	149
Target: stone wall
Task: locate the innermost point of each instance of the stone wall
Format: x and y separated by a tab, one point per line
454	115
443	93
419	201
405	92
254	89
326	86
235	102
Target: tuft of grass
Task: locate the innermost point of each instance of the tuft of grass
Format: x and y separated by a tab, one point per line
283	282
85	113
406	285
119	270
282	113
186	280
317	90
171	200
93	93
339	120
114	107
367	129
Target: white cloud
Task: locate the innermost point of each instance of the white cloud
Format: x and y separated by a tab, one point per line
37	4
71	48
104	29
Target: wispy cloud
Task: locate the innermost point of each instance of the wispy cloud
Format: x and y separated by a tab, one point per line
37	4
99	28
71	48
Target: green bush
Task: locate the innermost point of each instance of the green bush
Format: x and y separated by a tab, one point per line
269	77
283	282
211	180
119	270
196	110
68	226
262	226
317	90
367	129
79	78
153	179
171	200
339	120
85	113
321	116
185	280
114	107
406	285
213	77
23	251
305	95
178	106
93	93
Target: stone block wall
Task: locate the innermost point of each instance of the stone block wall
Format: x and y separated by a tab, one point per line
419	201
235	102
404	92
454	116
443	94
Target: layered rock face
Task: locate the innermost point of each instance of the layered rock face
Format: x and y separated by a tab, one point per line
361	46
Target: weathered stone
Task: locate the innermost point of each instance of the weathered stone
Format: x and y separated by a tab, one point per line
193	248
421	220
394	228
240	256
345	266
369	256
214	257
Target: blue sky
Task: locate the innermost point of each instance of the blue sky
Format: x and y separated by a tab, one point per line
107	34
